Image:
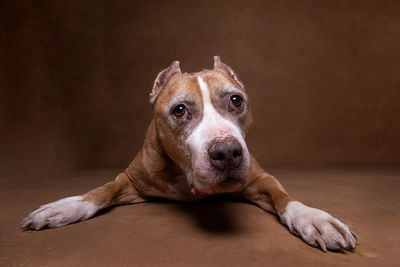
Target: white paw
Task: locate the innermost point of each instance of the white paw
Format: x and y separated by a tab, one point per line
61	212
317	227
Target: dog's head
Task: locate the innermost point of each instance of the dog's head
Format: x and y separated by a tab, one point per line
201	120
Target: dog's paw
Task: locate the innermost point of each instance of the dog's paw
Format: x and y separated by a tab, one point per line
317	227
59	213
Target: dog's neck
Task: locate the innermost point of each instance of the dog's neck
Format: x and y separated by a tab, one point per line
152	168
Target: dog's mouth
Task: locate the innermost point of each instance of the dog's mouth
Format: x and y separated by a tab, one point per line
229	184
229	181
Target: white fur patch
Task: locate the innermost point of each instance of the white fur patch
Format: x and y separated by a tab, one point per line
212	126
61	212
317	227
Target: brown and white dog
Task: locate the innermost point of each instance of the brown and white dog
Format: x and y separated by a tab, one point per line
195	146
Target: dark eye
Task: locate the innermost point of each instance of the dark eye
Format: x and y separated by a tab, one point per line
236	101
179	111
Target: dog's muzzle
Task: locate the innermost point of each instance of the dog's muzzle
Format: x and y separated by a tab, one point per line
226	157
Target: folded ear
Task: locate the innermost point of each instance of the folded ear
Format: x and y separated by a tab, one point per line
162	79
218	64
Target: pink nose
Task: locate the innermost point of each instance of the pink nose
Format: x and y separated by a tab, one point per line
226	155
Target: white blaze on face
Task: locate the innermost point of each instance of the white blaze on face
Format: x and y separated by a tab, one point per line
213	125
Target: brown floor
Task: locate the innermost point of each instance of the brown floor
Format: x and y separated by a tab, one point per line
209	233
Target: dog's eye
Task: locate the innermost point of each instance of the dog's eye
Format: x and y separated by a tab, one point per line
179	111
236	101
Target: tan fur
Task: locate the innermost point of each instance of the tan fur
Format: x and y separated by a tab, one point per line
120	191
265	191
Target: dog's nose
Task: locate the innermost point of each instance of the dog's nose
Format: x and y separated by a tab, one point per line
226	155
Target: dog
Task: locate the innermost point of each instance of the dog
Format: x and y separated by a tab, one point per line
195	147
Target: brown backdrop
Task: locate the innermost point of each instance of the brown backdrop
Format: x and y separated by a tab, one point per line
323	77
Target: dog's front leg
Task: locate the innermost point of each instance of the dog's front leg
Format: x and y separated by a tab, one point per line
79	208
314	226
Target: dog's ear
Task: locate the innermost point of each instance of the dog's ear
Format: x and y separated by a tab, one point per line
218	64
162	79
